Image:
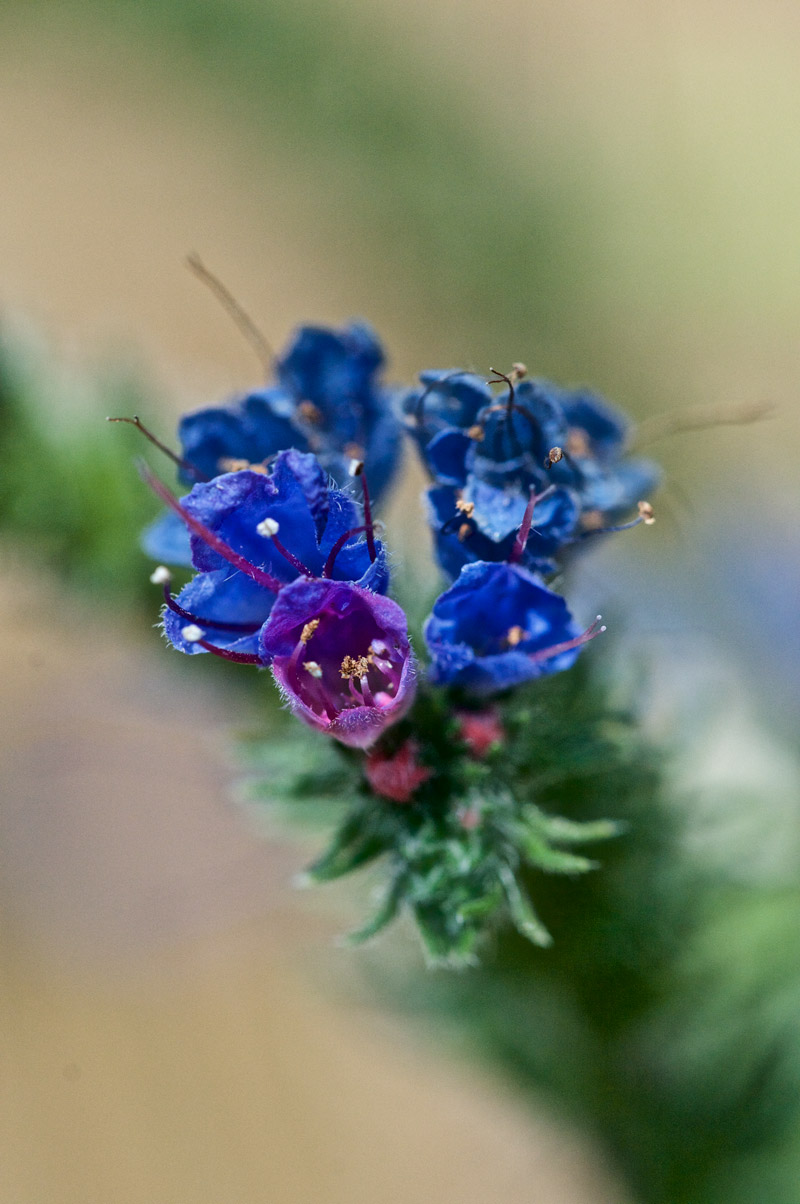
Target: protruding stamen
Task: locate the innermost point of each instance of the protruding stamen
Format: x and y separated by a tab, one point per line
464	532
337	547
515	635
309	629
235	311
519	371
476	433
553	456
357	470
465	508
161	575
186	465
313	668
209	537
192	633
646	516
269	528
510	382
593	630
245	628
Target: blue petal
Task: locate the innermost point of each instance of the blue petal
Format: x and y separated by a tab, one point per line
605	426
225	595
167	540
446	456
252	428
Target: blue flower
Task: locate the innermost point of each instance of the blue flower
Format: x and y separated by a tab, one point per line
253	533
327	400
480	522
491	452
341	657
497	626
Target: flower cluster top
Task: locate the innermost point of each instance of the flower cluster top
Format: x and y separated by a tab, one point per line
289	573
286	572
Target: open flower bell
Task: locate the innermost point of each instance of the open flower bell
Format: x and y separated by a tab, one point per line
499	626
341	657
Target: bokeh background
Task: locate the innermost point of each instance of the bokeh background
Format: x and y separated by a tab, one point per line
609	192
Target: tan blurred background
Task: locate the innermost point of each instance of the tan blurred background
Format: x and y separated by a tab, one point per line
173	1026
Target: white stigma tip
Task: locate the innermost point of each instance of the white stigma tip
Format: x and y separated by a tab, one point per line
192	633
161	575
597	618
604	628
268	527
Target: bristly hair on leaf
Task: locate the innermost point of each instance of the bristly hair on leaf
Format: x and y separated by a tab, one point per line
464	855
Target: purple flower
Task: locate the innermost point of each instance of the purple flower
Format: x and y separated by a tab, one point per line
340	656
497	626
251	535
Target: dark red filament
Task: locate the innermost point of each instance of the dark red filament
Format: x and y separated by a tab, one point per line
368	524
214	542
526	524
567	645
337	547
241	658
290	556
246	628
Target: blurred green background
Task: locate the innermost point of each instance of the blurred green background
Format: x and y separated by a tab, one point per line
608	192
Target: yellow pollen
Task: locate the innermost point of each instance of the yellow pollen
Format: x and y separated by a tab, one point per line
310	413
646	513
309	629
476	433
354	666
229	464
464	531
353	451
467	508
515	635
554	455
592	520
578	443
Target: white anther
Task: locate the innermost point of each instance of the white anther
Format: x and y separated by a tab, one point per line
355	468
313	668
161	575
192	633
268	527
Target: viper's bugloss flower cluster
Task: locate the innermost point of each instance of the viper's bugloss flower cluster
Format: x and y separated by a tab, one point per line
289	575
